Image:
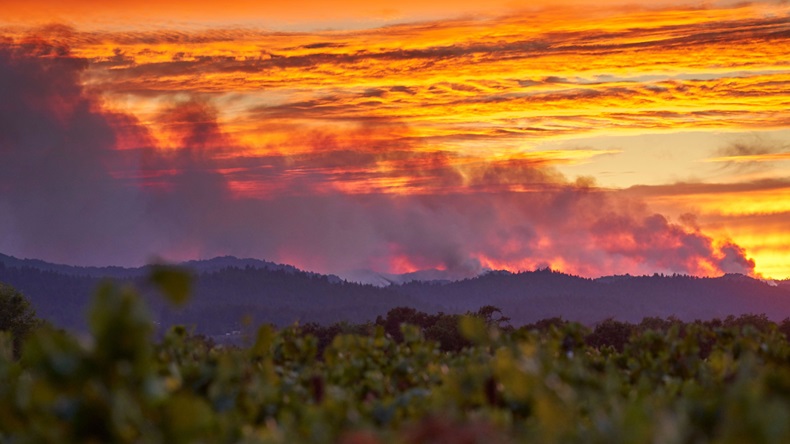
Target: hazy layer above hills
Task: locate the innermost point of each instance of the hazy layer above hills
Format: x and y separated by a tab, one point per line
230	293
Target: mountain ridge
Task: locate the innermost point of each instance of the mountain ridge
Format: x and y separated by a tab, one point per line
228	290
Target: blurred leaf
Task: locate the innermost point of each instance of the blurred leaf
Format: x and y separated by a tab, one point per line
474	329
175	283
263	341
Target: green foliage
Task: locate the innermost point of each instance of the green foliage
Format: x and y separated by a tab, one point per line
552	382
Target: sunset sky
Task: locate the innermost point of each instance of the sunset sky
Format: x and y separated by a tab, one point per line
595	138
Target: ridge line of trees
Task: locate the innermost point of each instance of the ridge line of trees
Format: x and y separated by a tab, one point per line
18	319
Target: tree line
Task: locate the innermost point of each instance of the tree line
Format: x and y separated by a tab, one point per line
18	318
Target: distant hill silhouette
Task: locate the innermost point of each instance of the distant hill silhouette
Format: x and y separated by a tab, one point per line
70	270
531	296
199	266
228	293
229	290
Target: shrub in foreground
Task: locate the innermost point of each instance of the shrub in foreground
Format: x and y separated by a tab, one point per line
526	385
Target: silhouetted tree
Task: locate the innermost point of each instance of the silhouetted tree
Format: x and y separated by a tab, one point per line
17	316
445	332
657	324
492	316
760	322
784	327
611	333
545	325
404	315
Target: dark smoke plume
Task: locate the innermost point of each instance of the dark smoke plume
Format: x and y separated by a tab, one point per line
81	185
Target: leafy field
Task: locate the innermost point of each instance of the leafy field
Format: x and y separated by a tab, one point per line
669	382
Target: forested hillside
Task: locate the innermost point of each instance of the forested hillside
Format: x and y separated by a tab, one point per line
531	296
231	294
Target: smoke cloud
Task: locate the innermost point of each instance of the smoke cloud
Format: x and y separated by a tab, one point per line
82	185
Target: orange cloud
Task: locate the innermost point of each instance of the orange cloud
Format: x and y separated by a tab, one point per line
336	140
298	13
464	85
755	215
768	157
